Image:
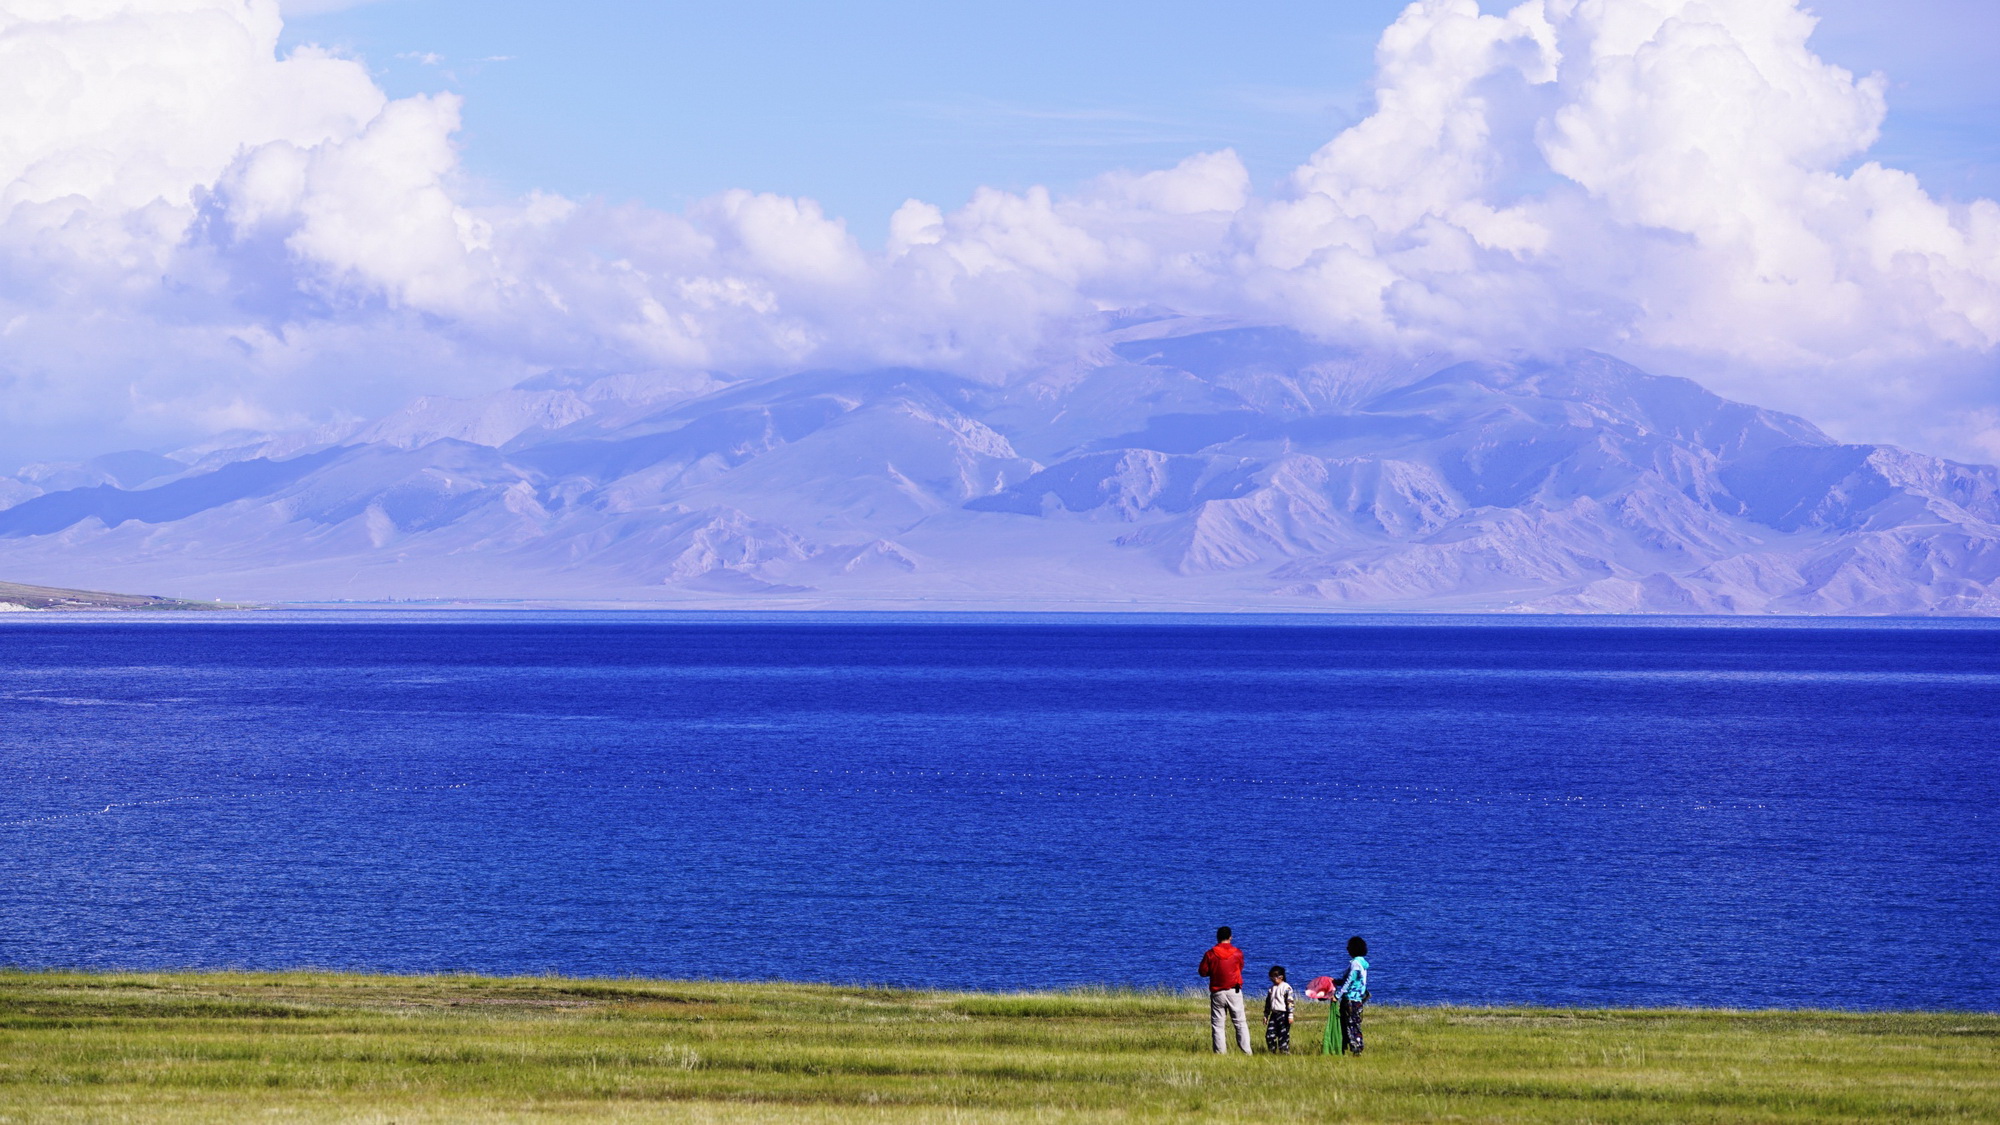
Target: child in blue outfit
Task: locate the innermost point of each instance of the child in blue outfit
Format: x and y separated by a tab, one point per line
1352	991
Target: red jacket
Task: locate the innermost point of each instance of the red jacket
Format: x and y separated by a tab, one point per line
1223	966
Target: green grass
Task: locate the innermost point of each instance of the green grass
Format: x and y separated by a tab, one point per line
310	1046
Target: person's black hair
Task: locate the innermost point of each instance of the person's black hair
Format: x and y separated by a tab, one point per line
1357	946
1277	971
1222	933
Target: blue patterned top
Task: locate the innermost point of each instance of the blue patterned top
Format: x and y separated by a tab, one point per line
1354	984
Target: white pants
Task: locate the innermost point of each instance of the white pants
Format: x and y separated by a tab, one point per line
1228	1004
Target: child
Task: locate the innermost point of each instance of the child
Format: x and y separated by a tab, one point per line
1353	993
1278	1005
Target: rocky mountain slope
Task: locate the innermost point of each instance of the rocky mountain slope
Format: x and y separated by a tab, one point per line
1179	465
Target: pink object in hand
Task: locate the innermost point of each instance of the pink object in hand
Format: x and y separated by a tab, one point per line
1321	988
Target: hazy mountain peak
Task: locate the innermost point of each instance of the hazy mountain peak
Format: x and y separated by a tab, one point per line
1186	463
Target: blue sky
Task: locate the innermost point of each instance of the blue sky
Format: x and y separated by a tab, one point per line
217	216
866	103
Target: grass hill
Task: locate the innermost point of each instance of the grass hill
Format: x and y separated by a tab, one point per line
311	1046
51	597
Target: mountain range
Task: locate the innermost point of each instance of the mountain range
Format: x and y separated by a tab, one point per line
1175	464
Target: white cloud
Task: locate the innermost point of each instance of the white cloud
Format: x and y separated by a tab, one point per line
1689	205
194	230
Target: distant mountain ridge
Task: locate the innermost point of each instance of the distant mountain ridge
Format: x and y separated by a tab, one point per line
1180	466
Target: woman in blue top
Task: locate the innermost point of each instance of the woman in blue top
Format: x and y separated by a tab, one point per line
1353	993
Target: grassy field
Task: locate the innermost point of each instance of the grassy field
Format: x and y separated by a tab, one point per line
336	1047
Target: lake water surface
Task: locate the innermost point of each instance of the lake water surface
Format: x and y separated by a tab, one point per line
1717	813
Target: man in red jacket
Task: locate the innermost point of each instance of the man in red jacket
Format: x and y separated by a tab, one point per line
1223	966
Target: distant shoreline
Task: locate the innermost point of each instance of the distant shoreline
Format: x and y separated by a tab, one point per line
414	610
16	597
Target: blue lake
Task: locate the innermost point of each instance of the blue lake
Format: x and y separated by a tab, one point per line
1739	814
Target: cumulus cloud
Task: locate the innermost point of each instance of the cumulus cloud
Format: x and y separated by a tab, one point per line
1653	176
196	232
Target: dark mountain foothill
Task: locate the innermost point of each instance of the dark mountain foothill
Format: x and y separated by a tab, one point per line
15	597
